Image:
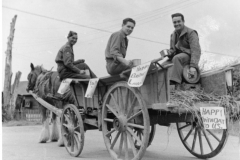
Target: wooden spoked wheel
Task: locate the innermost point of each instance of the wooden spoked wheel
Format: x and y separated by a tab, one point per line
123	112
139	133
72	130
200	142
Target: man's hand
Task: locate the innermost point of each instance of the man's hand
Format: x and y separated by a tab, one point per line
192	70
170	54
129	63
78	61
82	71
124	61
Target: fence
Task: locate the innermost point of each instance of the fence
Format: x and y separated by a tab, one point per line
28	115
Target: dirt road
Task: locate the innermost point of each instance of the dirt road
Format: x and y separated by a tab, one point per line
21	143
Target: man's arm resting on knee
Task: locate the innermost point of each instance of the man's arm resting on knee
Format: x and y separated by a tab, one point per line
124	61
68	62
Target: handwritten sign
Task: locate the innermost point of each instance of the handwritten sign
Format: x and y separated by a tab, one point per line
213	117
228	75
64	86
91	87
138	75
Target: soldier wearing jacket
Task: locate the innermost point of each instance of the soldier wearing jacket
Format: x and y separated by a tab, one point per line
67	67
116	49
184	48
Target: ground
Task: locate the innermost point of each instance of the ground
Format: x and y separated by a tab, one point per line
21	143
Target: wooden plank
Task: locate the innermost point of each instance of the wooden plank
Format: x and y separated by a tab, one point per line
173	118
92	122
151	87
47	105
215	71
215	83
177	109
155	88
158	88
79	93
167	84
159	106
110	79
79	80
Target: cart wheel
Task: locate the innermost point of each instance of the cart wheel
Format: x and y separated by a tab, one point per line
72	130
200	142
139	133
123	112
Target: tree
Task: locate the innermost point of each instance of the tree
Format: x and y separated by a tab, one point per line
8	71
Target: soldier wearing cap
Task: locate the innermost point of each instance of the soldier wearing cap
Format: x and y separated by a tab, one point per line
184	49
116	49
67	67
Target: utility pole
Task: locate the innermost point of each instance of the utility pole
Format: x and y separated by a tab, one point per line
8	70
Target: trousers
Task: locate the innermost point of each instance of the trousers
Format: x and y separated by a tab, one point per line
115	67
176	71
66	73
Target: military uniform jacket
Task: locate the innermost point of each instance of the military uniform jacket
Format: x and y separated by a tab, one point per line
187	42
117	46
65	59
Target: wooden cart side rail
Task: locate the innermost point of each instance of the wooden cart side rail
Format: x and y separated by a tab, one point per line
47	105
177	109
215	71
164	65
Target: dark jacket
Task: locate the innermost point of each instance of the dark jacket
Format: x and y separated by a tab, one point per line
188	42
65	59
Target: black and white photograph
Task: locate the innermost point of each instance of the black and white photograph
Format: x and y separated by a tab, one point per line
120	80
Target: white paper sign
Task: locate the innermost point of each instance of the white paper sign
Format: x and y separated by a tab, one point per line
228	75
138	75
213	117
91	87
64	86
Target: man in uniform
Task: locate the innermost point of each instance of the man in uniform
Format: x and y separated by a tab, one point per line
115	52
67	67
184	49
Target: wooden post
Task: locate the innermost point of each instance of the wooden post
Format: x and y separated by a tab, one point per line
14	87
8	69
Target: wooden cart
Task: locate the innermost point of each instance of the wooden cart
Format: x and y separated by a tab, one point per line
128	117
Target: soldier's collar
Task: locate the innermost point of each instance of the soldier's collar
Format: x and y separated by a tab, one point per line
67	44
123	34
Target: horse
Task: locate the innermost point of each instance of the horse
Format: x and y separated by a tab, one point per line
42	83
46	84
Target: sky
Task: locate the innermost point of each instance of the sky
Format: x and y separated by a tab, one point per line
42	27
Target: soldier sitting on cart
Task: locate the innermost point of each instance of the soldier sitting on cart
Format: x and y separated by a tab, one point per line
67	67
115	52
184	49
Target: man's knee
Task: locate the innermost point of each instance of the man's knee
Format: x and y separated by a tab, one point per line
82	66
176	58
182	58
